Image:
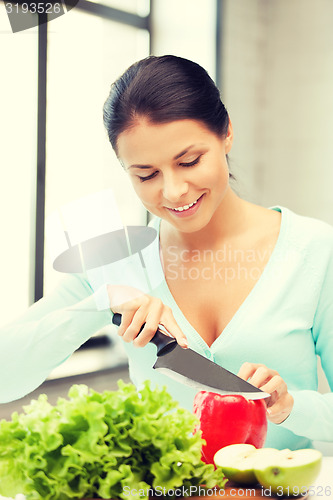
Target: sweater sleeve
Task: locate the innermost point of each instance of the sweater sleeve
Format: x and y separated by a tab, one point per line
312	414
46	335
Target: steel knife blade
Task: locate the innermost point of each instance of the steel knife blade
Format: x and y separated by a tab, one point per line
194	370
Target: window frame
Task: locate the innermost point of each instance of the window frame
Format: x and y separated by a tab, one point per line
105	12
109	13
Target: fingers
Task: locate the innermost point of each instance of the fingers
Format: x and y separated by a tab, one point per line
170	324
277	388
276	385
262	375
280	404
258	373
141	318
151	324
281	409
248	369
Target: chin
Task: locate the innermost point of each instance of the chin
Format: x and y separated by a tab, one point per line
192	226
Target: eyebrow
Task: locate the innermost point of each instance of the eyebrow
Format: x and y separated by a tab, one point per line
179	155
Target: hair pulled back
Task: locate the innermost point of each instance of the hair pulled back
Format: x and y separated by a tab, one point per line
163	89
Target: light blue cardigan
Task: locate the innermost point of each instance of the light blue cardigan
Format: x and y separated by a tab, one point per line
286	320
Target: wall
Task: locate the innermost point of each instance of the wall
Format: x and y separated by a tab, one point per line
185	29
277	80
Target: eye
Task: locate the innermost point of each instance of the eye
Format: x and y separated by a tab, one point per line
148	177
191	163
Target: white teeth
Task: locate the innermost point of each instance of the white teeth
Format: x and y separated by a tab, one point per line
185	207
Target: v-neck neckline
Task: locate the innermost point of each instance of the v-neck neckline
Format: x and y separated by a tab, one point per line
241	311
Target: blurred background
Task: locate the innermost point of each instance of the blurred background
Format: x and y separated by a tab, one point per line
272	61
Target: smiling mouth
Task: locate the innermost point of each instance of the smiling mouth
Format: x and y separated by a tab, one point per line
185	207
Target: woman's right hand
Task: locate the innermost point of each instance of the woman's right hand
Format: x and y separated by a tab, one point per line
138	308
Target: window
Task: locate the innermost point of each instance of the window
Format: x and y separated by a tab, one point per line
140	7
83	60
18	126
86	49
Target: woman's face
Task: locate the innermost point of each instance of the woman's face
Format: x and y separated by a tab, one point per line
178	170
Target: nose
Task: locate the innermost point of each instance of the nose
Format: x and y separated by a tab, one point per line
174	186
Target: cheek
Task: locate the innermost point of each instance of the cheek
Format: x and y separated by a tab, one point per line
224	171
217	177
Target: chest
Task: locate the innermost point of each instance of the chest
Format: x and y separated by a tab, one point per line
210	287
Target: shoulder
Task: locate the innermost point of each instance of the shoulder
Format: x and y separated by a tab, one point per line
310	236
308	228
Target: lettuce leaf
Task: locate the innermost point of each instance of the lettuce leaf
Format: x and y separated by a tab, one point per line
102	445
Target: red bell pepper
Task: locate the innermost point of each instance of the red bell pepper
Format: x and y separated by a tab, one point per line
228	420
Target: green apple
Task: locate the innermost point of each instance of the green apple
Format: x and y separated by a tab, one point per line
237	461
288	472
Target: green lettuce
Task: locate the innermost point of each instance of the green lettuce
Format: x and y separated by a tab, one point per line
102	445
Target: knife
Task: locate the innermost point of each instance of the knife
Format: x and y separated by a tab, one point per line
194	370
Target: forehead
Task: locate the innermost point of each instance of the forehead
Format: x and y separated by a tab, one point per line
148	143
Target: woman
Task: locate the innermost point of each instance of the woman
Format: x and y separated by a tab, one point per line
248	287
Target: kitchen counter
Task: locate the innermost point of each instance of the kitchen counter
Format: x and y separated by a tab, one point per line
324	480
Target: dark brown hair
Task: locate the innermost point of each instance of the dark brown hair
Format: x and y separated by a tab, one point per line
164	89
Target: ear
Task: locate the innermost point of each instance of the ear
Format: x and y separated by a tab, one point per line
229	138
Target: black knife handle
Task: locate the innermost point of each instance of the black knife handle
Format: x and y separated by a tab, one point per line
163	342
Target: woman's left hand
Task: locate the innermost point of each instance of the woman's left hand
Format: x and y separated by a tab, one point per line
280	404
